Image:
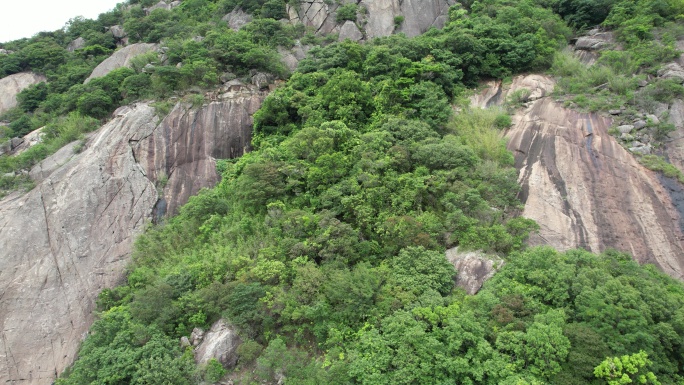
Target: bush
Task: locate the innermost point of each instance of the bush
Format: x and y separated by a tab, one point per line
346	12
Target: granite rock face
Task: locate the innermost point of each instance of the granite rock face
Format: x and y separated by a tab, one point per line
184	147
121	58
11	85
71	236
220	342
379	18
63	242
583	188
473	268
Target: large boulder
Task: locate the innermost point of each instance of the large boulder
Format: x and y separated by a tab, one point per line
350	31
10	86
220	342
672	71
473	268
121	58
237	18
76	44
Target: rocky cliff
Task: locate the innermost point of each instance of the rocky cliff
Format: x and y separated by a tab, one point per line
11	85
375	18
585	189
71	236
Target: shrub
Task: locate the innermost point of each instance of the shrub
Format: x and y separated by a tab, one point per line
346	12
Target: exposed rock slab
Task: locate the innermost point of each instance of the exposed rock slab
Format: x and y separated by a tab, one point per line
220	342
65	241
419	16
584	189
473	268
185	146
71	236
237	18
10	86
120	58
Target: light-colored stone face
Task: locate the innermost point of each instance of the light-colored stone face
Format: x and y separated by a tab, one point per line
378	19
71	236
10	86
120	58
585	189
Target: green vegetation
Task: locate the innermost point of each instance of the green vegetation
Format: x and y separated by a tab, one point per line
325	246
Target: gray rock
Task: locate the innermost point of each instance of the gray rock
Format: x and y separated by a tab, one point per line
237	19
10	86
184	342
71	236
174	4
120	58
676	116
626	128
672	71
76	44
160	5
350	31
29	140
16	142
626	137
226	77
642	83
5	147
4	51
643	150
220	342
473	268
118	31
636	143
615	112
9	174
148	68
262	80
378	20
654	119
590	43
639	124
196	336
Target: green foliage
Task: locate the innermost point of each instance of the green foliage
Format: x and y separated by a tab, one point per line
626	370
346	12
214	371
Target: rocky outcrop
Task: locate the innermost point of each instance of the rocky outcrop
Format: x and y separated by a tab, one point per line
237	18
586	47
71	236
10	86
63	242
220	342
585	189
120	58
76	44
473	268
184	147
379	18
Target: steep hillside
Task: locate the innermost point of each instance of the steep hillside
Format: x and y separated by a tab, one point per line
347	178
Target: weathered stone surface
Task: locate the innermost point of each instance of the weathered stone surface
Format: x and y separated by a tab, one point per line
639	124
642	150
473	268
590	43
11	85
625	129
63	242
117	31
160	5
350	31
237	19
585	190
291	57
419	16
220	342
76	44
262	80
29	140
185	145
71	236
672	71
120	58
